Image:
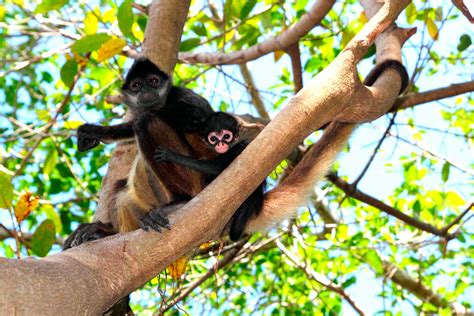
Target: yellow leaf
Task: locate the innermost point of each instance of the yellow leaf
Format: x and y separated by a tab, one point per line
109	16
363	18
72	124
110	48
205	245
91	23
229	35
18	3
277	55
137	32
177	268
432	28
25	205
3	12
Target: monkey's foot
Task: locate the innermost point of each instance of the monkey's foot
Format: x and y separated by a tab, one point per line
154	220
163	155
88	232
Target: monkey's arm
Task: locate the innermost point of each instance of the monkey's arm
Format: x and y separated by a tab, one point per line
210	167
89	135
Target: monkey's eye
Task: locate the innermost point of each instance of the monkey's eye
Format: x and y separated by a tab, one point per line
154	81
212	139
136	86
226	137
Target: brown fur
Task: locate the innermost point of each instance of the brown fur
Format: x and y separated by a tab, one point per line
151	185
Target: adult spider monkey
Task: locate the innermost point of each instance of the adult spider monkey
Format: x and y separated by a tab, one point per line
163	115
220	131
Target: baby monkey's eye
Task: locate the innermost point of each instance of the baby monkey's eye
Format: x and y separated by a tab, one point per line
213	139
226	136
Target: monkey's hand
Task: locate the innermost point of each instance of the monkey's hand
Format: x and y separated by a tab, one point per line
164	155
155	220
88	232
85	138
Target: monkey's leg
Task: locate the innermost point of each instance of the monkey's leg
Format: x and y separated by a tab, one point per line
89	135
87	232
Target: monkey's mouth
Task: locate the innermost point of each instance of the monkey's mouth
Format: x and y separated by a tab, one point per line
154	104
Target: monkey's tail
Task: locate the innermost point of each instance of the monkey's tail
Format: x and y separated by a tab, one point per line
281	202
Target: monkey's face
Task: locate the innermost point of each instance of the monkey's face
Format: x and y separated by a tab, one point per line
221	141
146	87
220	132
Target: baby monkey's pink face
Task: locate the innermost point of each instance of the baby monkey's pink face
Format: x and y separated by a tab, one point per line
221	140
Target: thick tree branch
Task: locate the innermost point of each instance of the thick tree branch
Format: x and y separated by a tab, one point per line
290	36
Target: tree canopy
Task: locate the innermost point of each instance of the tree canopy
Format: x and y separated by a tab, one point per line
389	230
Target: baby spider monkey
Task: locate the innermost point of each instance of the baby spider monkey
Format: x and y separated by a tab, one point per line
220	132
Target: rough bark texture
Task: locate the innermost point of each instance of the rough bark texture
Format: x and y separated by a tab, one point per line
90	278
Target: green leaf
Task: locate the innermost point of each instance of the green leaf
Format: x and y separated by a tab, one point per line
189	44
247	8
68	72
417	207
374	261
199	28
464	42
445	171
50	162
6	191
89	43
349	282
142	21
125	17
411	13
48	5
51	214
43	238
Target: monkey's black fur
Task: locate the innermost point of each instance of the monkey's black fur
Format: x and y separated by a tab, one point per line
218	122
